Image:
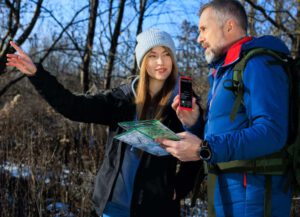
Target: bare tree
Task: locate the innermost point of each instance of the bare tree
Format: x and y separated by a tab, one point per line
89	45
296	42
278	17
188	58
251	18
64	29
144	5
13	26
25	35
114	42
268	17
141	12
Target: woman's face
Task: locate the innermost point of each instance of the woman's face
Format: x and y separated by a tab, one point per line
159	63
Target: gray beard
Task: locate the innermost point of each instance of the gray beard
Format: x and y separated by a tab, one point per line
214	54
209	57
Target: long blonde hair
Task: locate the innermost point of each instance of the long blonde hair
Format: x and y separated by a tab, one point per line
143	99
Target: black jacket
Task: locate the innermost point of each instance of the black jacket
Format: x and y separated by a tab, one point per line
156	177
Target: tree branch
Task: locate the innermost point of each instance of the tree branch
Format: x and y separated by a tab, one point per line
89	45
64	29
271	20
32	23
11	83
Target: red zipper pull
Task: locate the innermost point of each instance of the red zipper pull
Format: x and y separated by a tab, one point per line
245	180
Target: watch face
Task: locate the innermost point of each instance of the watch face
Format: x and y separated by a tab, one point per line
205	152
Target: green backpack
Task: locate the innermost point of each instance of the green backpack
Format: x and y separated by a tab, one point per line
285	162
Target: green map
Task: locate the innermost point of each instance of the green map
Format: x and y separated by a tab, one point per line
141	134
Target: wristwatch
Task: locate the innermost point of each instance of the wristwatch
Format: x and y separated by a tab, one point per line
205	152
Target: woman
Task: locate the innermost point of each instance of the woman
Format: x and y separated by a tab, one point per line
130	182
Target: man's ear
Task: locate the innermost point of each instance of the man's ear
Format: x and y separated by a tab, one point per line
229	25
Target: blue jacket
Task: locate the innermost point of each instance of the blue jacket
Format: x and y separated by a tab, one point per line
260	128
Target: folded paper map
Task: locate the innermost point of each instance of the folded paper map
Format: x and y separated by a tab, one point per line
141	134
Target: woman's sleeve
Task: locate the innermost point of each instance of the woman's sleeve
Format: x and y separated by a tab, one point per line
101	108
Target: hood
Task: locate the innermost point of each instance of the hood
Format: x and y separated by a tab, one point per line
268	42
247	43
134	84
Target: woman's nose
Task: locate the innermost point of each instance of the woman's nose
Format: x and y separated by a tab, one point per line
160	60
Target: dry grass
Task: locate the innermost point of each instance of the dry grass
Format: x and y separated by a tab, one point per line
33	134
63	156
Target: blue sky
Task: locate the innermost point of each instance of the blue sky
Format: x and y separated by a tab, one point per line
174	12
183	10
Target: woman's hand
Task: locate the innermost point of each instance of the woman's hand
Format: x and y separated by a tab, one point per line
21	61
187	118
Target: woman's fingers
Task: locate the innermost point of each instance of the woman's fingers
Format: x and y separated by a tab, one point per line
19	65
13	60
21	61
17	48
22	65
12	55
20	51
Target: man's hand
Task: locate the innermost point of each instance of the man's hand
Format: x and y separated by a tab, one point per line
187	149
187	118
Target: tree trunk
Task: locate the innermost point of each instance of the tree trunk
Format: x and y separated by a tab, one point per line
89	45
278	15
251	19
114	43
296	42
142	7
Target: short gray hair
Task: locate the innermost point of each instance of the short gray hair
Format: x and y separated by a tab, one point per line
228	8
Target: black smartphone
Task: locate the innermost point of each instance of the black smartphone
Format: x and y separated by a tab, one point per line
185	93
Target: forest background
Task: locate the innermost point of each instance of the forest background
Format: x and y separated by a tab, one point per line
47	162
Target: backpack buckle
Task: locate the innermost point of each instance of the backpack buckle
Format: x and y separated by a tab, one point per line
239	87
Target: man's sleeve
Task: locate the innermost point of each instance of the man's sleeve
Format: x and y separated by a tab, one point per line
266	101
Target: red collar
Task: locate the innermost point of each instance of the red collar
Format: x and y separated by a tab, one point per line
234	51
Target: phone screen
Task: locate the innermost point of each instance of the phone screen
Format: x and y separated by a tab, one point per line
186	93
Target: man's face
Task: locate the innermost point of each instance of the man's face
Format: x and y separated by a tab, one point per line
212	36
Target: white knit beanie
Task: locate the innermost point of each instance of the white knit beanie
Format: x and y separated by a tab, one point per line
152	38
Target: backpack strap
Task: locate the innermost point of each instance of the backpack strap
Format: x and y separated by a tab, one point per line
211	187
273	164
238	70
268	196
287	161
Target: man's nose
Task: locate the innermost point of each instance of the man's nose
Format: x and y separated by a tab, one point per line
200	39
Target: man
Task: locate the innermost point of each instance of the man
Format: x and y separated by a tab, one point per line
260	127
